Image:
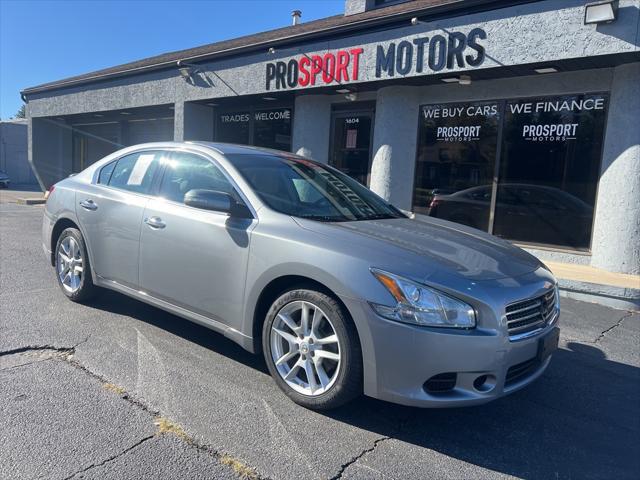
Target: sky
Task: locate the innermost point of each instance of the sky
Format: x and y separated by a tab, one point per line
46	40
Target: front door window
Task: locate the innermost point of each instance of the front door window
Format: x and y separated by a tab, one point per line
351	145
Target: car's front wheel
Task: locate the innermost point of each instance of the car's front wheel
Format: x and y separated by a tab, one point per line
312	350
73	270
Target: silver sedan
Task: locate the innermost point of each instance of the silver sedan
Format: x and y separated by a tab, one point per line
342	292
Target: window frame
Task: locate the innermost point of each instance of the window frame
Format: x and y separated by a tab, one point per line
152	187
502	105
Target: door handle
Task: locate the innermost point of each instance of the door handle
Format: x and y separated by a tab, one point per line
155	222
89	205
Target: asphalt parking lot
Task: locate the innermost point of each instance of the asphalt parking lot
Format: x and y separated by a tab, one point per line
118	389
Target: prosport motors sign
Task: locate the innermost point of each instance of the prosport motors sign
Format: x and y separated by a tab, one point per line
554	119
421	55
458	123
311	70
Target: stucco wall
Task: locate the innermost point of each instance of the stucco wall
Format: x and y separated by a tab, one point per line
534	32
616	236
394	144
311	124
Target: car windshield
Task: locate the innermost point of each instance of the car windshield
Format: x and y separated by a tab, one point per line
306	189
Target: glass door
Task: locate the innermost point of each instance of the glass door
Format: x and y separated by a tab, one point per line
352	132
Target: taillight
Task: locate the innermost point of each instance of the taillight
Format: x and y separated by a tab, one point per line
48	193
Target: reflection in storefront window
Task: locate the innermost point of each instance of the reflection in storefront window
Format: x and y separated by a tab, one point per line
233	127
455	163
549	169
272	128
269	128
549	166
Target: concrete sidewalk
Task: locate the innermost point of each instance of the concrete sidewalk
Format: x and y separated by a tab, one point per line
583	282
22	194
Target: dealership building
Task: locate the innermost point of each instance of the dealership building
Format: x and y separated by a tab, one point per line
520	118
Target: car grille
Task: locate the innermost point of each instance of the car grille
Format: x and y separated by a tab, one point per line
530	315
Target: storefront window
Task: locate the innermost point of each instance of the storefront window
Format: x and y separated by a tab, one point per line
548	166
549	169
272	128
269	128
456	160
233	127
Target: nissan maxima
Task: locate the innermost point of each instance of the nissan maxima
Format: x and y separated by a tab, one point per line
342	292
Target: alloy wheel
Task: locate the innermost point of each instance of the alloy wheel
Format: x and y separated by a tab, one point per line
305	348
70	264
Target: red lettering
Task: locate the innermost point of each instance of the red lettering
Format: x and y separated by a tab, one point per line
329	70
316	67
303	81
355	53
341	67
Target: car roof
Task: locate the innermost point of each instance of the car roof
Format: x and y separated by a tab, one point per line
232	148
219	147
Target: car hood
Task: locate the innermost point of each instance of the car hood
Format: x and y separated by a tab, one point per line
437	245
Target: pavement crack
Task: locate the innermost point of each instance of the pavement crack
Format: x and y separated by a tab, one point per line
357	458
612	327
110	459
165	426
42	349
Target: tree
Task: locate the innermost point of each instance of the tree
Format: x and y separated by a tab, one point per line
22	112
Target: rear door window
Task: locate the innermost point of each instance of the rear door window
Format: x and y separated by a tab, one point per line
135	172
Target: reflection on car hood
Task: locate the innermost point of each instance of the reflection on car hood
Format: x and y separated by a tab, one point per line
452	247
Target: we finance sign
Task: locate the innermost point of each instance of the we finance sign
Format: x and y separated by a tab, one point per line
417	56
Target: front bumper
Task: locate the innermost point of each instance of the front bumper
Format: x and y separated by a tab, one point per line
399	359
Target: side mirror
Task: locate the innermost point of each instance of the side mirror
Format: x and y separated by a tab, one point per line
216	201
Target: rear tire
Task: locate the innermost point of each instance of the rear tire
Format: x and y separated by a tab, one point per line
316	362
73	270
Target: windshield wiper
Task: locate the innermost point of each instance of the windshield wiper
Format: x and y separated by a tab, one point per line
324	218
378	216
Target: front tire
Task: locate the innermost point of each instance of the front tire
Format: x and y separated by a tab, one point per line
312	350
73	270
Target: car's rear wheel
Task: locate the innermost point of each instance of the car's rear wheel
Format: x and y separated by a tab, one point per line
312	351
73	270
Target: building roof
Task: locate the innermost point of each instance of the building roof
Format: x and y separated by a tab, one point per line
314	29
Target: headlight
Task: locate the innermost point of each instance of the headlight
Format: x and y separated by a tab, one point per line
420	305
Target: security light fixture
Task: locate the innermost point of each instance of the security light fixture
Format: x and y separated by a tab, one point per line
545	70
352	97
187	70
462	80
269	99
600	12
343	91
415	21
271	51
